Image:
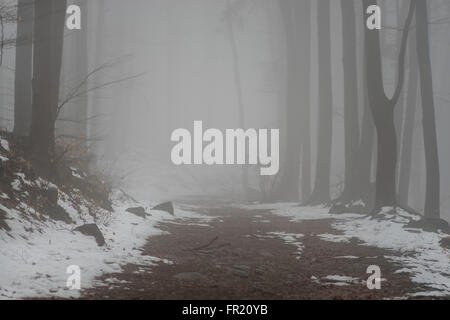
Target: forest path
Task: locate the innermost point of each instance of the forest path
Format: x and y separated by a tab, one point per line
253	254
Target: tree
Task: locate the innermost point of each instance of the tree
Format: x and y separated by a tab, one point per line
24	49
304	13
382	109
47	56
409	124
231	13
321	192
351	119
75	68
432	197
296	22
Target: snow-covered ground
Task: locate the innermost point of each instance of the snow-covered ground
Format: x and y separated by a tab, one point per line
419	252
34	262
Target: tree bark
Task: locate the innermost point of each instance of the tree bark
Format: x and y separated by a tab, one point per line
47	55
304	13
238	85
351	119
432	197
382	109
321	193
22	85
409	124
296	20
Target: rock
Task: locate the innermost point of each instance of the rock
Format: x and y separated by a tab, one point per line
430	225
58	213
93	231
138	211
190	276
166	206
445	243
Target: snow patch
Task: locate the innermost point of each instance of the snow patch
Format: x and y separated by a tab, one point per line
35	255
5	144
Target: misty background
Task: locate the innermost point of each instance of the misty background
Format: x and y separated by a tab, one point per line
163	64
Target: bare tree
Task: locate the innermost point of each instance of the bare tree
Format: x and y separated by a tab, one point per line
47	57
432	197
296	22
321	191
383	110
23	70
408	124
351	118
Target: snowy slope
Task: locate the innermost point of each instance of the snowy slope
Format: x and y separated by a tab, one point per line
34	261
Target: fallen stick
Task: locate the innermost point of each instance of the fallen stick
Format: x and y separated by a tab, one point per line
203	246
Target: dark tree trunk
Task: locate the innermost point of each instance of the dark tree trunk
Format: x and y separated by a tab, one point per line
365	154
305	43
321	193
24	51
351	119
367	139
296	20
238	85
383	111
432	198
47	56
289	187
402	7
409	124
81	63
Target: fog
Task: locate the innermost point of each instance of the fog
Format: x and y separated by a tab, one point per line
164	64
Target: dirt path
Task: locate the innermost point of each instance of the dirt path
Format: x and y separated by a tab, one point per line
243	254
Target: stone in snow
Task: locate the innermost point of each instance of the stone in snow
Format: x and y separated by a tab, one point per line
93	231
138	211
166	206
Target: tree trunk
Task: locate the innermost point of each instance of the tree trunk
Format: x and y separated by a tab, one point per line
402	7
383	111
239	93
408	127
321	193
366	143
81	71
432	198
24	49
47	56
296	21
305	53
351	119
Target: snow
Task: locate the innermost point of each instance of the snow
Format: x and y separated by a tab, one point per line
332	237
295	212
337	280
16	184
289	238
341	278
35	255
4	144
419	252
3	159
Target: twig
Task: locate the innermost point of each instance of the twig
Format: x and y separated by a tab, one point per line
204	246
